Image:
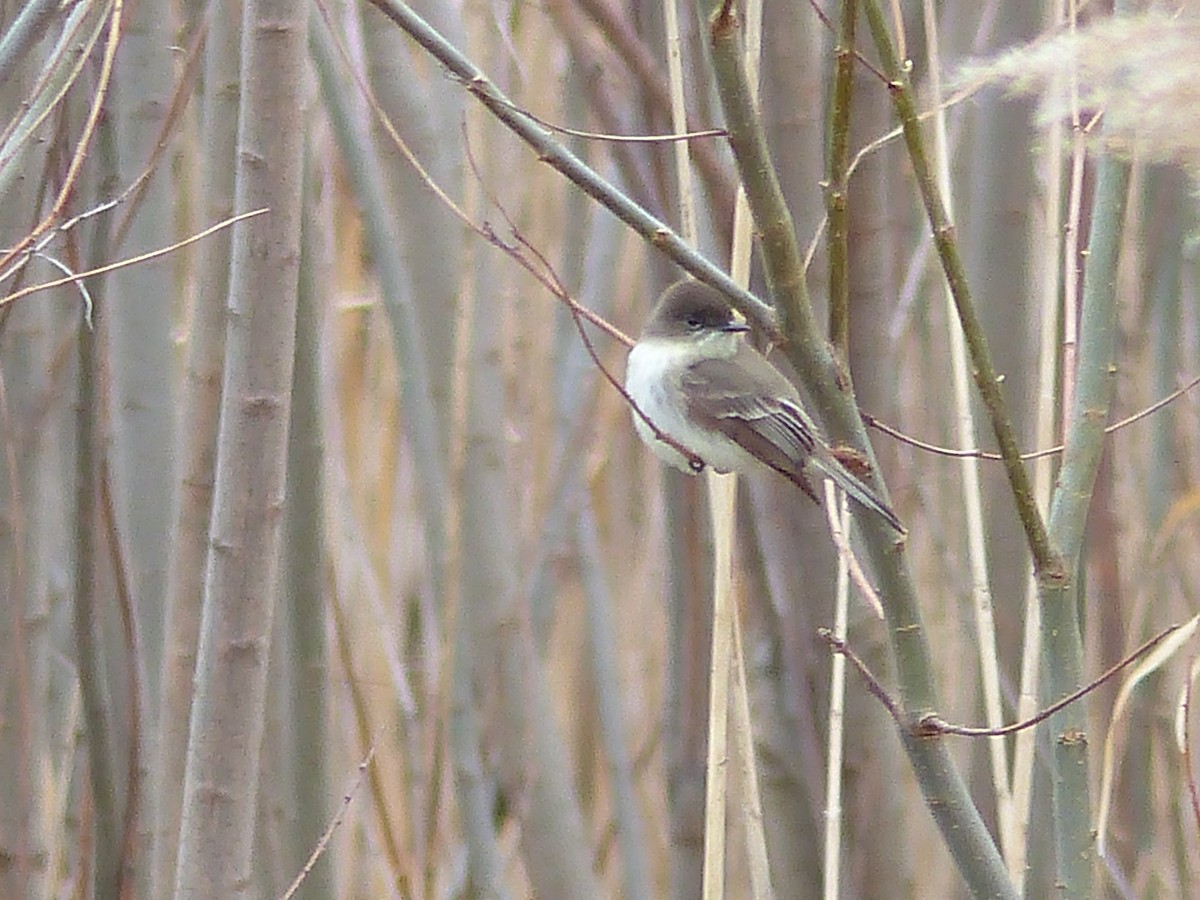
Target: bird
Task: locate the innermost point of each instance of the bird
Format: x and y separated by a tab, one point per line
697	380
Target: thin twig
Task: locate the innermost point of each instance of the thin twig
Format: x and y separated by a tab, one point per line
133	260
863	61
89	129
1188	769
39	247
841	540
541	269
873	684
88	305
932	724
388	836
1035	454
334	823
624	138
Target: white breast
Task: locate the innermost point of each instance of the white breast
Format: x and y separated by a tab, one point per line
652	379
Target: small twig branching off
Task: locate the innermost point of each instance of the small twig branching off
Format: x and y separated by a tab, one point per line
542	270
41	244
841	540
1035	454
79	283
132	261
622	138
832	29
89	129
334	823
1185	742
931	724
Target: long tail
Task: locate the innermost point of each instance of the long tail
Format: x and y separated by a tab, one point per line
858	491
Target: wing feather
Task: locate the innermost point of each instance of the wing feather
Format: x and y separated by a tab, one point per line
749	401
746	399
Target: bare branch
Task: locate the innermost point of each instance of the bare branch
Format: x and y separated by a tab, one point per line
334	823
132	261
932	724
1035	454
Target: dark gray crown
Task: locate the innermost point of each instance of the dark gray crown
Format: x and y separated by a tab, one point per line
689	306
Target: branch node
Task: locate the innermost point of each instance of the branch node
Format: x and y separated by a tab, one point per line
929	725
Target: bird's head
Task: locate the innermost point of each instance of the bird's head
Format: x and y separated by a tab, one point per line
693	310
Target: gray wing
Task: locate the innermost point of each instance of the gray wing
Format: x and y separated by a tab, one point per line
746	399
749	401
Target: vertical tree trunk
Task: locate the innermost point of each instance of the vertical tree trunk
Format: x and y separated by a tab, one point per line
305	670
197	454
216	846
141	355
34	501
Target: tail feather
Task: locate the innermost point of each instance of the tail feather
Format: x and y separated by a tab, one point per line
858	491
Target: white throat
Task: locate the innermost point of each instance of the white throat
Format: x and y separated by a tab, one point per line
653	378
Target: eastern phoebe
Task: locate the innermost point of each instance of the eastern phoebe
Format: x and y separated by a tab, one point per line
697	379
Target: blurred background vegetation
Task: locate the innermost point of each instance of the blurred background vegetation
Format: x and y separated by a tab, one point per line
487	607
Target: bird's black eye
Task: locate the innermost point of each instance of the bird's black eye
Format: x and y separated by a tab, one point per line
694	323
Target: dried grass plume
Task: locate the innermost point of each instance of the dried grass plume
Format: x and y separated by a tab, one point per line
1142	72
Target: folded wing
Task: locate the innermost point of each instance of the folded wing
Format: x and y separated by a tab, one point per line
746	399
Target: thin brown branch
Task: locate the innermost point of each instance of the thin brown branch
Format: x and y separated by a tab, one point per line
931	724
334	823
133	653
89	130
624	138
874	686
77	277
542	270
1036	454
1188	768
832	29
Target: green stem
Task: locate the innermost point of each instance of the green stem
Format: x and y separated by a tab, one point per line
773	223
87	620
550	151
1047	561
1062	646
946	795
836	188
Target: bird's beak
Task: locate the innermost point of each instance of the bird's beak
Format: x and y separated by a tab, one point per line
736	324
